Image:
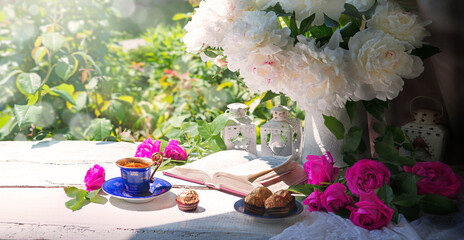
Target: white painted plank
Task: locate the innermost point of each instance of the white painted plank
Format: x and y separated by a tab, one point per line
45	207
65	152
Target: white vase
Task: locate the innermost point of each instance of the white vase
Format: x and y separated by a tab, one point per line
318	139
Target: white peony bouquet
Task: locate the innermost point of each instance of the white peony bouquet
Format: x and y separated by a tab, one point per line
320	53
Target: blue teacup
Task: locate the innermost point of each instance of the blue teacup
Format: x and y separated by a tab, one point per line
136	174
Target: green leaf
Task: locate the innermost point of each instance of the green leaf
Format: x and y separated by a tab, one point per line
305	189
352	11
293	27
386	152
53	41
349	30
79	200
398	134
335	126
305	25
29	82
126	137
408	146
65	95
425	51
116	108
376	108
349	159
174	132
321	33
351	109
99	129
90	59
210	54
38	54
407	200
405	183
180	16
41	135
352	139
5	80
408	161
385	193
27	114
81	101
66	67
437	204
99	199
329	22
92	194
410	213
379	128
277	9
216	143
177	120
268	96
395	213
93	83
190	128
219	123
70	191
344	213
204	129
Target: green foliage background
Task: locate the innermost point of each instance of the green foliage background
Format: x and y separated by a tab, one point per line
65	76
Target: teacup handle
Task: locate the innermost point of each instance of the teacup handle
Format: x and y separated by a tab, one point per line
157	158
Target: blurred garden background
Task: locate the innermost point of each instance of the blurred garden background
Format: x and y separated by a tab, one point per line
68	72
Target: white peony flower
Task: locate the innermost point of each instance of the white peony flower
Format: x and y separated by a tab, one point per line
305	8
265	73
380	62
256	33
316	76
211	22
362	5
392	19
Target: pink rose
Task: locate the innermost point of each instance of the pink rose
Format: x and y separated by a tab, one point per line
314	201
438	178
335	198
147	148
94	178
371	213
174	151
320	169
366	175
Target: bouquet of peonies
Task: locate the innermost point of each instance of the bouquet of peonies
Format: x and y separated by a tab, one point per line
371	196
320	53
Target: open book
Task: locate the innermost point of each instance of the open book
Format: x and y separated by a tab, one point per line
239	172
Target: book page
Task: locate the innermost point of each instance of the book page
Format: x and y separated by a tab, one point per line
241	177
203	169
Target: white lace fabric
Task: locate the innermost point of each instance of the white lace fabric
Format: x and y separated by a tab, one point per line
321	225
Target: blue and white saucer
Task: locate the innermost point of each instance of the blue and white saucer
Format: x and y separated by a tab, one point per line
115	188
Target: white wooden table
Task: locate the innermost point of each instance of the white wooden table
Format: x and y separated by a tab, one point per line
33	174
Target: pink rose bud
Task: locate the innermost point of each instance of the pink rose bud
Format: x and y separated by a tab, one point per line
335	198
438	178
174	151
147	148
313	201
320	169
94	178
370	212
220	61
366	175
